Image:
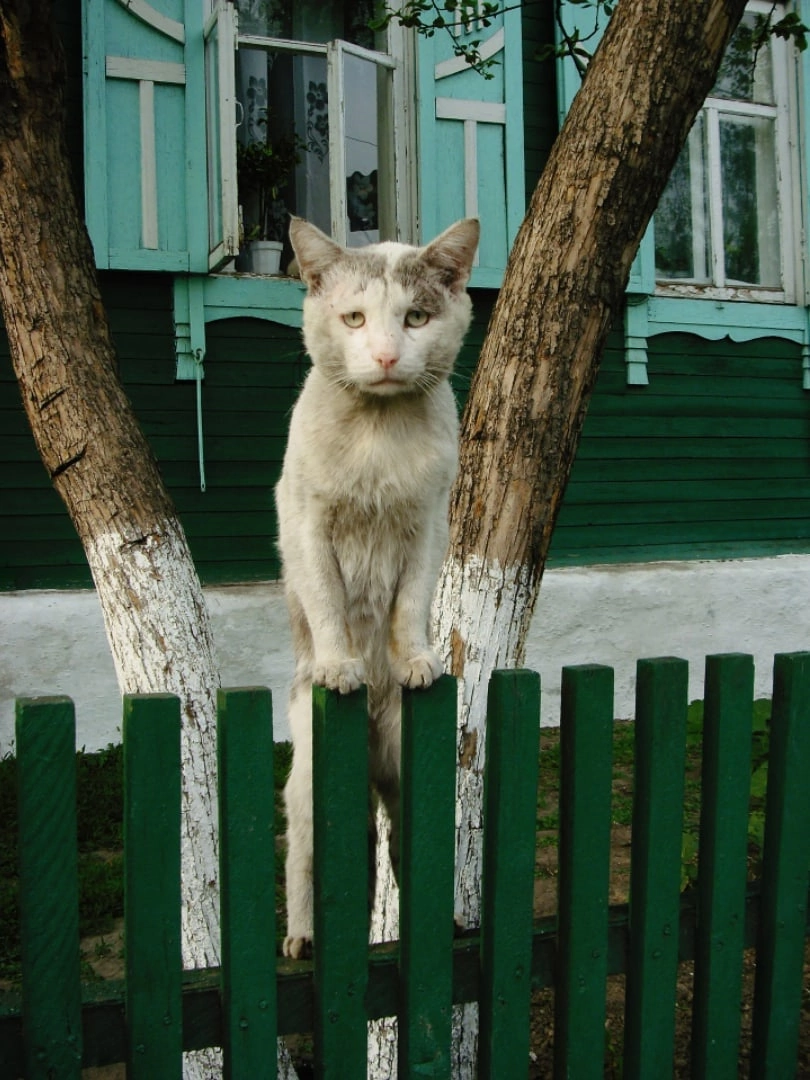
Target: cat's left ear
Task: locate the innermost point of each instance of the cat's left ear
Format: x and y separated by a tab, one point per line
313	249
453	251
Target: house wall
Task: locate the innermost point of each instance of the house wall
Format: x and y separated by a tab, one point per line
711	459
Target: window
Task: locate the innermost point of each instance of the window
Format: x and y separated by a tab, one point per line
723	226
325	113
315	135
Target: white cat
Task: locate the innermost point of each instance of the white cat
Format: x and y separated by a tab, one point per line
363	498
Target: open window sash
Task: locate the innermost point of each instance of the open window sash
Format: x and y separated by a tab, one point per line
361	145
471	154
220	124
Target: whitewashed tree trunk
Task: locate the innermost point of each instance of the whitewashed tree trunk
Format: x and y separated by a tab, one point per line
563	288
95	453
160	636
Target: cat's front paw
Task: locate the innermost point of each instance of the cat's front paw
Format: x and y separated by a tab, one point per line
419	671
297	948
341	675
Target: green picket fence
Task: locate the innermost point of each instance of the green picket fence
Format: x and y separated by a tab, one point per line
58	1025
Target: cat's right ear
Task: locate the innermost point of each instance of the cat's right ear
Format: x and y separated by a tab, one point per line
453	252
314	251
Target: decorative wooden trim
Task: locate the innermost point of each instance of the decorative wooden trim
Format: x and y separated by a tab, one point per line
156	71
481	112
456	64
162	23
636	332
712	320
149	220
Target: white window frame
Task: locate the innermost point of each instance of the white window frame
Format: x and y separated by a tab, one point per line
784	112
395	60
219	37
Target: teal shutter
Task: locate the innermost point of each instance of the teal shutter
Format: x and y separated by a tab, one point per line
146	182
583	25
471	140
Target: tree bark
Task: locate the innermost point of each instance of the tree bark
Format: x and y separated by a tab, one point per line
90	442
563	289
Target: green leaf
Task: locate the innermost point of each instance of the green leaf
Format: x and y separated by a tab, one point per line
759	781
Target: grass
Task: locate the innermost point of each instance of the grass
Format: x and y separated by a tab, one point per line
622	796
100	811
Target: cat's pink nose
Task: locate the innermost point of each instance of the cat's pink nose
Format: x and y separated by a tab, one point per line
386	361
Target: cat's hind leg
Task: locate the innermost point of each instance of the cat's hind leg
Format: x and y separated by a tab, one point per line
298	801
384	762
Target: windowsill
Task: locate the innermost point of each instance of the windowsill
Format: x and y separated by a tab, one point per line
257	296
715	317
728	294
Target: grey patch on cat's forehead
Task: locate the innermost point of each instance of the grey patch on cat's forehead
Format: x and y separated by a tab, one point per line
424	282
363	266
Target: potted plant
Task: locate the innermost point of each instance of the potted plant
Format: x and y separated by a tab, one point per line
264	168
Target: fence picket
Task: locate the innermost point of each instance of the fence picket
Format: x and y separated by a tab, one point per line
786	859
49	890
586	749
427	849
725	787
247	879
341	814
655	870
510	815
147	1019
152	897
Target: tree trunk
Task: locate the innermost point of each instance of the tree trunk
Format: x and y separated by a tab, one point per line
563	289
90	442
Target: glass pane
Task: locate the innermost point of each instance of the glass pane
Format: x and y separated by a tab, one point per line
308	20
362	151
212	126
750	218
265	18
746	73
682	235
283	141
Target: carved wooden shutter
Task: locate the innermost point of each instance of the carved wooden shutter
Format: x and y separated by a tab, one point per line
146	167
471	161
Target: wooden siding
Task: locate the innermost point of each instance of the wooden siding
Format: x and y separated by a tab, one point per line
253	369
711	459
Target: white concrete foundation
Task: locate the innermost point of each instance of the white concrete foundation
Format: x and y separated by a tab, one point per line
54	643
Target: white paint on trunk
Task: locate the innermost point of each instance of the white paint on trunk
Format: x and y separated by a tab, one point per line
160	636
161	640
485	610
481	613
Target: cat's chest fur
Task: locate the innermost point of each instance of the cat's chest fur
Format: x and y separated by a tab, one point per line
371	457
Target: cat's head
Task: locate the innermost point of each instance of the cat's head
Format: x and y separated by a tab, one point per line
389	318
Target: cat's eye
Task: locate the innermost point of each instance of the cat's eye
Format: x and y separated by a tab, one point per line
416	318
354	319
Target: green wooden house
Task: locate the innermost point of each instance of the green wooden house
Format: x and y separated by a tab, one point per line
697	442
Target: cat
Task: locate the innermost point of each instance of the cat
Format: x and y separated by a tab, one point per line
361	201
363	498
